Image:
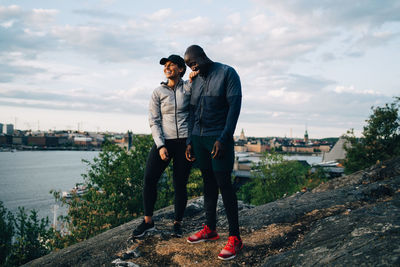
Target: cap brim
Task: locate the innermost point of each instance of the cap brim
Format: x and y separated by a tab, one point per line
164	60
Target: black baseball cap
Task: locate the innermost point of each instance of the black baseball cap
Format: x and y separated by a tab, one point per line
175	59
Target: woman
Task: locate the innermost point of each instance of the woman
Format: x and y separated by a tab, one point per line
169	118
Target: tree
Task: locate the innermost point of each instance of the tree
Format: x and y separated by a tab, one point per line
23	238
380	138
273	178
6	232
114	196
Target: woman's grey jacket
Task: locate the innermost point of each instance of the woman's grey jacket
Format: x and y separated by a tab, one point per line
169	112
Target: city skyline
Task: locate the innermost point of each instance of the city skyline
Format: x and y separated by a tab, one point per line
312	65
241	132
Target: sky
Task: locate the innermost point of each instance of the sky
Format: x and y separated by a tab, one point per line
314	65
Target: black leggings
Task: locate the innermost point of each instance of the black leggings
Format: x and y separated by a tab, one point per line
222	180
155	166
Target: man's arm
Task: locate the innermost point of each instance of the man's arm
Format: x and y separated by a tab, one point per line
189	150
234	99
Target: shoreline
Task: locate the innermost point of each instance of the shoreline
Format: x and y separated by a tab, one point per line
28	148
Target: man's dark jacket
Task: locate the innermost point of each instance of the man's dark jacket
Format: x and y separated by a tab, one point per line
215	103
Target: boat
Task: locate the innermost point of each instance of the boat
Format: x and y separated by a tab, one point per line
78	190
332	168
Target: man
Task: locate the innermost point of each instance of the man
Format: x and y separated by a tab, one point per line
214	111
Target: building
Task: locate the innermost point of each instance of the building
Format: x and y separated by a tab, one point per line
275	143
82	140
240	147
5	140
338	153
324	147
242	137
298	148
10	129
257	147
39	141
1	128
51	141
19	140
306	137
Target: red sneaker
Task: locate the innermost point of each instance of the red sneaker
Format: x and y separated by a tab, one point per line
203	235
230	250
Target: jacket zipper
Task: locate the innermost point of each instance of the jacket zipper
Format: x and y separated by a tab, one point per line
201	105
176	115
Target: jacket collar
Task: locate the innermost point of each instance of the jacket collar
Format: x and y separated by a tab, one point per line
165	83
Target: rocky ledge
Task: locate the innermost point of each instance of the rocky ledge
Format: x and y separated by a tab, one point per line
351	220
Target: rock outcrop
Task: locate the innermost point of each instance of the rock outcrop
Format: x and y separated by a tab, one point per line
351	220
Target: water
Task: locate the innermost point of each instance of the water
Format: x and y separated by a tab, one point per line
311	159
26	177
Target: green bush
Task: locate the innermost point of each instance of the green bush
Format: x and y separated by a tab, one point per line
6	232
23	238
114	196
380	138
273	177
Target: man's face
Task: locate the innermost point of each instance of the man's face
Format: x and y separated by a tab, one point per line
195	63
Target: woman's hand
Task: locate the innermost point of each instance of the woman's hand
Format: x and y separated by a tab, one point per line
192	75
164	153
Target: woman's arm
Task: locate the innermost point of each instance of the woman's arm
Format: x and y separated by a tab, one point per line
155	118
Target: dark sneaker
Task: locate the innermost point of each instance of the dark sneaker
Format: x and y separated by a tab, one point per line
203	235
231	249
143	228
177	230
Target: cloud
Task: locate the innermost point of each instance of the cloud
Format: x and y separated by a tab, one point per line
357	13
9	12
365	22
100	14
41	17
160	14
104	44
24	31
9	72
284	51
76	100
352	90
234	19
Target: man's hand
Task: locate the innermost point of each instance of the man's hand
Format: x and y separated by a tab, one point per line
217	150
163	153
189	154
192	75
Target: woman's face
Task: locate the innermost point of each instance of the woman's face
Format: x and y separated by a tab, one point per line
171	70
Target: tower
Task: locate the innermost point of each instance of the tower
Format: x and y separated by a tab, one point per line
306	137
242	137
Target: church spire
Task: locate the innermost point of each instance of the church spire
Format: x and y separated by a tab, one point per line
242	137
306	137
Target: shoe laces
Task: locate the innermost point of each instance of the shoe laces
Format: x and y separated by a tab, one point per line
232	240
205	231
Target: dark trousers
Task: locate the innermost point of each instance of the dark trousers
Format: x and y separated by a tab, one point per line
222	180
217	177
154	169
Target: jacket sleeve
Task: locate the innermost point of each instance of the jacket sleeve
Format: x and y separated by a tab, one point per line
234	100
190	124
155	120
187	86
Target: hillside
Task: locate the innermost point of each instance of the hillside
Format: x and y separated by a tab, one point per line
348	221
